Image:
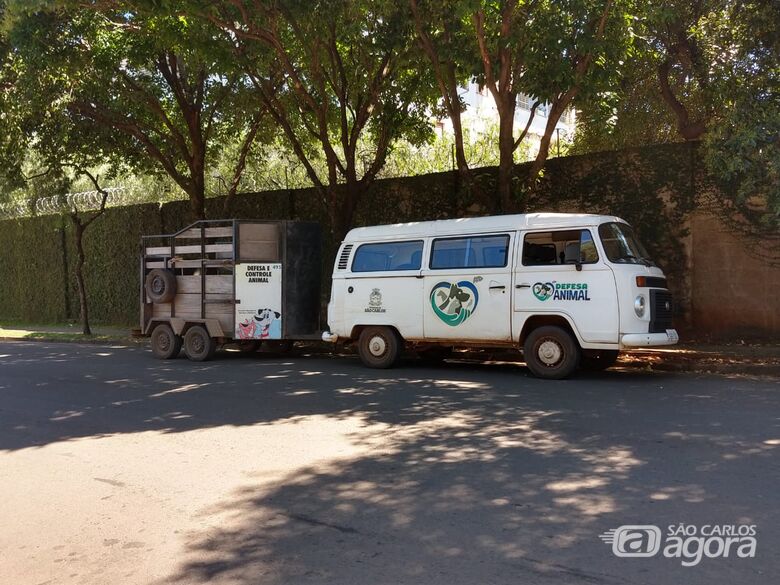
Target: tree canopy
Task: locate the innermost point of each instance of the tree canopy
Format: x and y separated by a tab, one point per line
328	91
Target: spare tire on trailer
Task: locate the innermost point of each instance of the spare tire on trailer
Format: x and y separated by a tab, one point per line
160	286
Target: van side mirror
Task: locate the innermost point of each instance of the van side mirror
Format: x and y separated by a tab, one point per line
572	254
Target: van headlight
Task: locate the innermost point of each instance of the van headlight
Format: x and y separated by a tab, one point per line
639	306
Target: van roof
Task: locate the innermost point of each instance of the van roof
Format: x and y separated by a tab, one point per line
473	225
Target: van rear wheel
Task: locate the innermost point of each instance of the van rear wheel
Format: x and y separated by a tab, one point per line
379	347
551	352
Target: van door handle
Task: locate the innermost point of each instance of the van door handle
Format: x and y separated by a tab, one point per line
524	285
497	287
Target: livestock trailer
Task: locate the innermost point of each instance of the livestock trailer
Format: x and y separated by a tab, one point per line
220	281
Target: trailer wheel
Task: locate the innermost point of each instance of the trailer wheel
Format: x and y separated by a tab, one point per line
379	347
198	344
598	360
551	352
165	343
160	285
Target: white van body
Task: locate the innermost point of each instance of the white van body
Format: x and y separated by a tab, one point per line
490	281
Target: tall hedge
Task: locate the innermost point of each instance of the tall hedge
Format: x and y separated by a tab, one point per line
654	188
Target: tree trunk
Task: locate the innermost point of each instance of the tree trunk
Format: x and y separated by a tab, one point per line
554	116
198	198
345	199
688	129
466	183
506	164
81	287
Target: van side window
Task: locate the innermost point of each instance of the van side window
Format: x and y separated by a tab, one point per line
549	248
388	256
472	252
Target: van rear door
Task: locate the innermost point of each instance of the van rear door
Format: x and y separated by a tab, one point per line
467	288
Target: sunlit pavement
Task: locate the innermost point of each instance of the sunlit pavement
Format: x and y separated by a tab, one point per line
116	468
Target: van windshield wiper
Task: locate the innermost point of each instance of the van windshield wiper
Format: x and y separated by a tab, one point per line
624	257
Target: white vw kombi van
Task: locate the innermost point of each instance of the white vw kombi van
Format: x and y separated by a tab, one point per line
568	289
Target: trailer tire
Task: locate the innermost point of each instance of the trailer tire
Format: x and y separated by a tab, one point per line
551	352
198	344
379	347
599	360
165	343
160	285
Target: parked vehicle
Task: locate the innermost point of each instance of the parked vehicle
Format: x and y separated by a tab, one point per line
569	290
224	281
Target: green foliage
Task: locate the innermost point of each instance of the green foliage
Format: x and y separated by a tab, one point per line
654	188
706	69
335	76
743	149
145	90
32	276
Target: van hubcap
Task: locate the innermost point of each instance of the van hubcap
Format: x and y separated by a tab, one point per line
377	346
550	352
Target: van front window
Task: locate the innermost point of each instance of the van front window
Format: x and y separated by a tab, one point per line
622	246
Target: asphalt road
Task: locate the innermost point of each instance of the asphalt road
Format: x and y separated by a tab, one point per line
116	468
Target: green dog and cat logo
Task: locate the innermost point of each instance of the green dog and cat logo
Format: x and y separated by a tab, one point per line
453	303
561	291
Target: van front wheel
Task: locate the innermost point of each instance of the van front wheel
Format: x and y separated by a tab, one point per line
551	352
379	347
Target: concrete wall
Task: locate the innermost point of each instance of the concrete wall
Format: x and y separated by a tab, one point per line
733	293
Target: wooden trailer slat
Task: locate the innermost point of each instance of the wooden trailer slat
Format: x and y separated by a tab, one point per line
179	263
215	283
210	248
210	232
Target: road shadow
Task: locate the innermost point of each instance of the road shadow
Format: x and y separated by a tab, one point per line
486	479
476	473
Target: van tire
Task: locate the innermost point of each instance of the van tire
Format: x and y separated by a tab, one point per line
165	343
551	352
160	286
198	344
598	360
379	347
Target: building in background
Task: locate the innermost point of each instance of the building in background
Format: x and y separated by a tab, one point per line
481	116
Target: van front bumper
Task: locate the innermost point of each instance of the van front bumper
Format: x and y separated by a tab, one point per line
670	337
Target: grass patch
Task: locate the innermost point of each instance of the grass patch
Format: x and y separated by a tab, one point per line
66	336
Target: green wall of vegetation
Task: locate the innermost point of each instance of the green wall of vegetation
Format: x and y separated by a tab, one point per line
652	187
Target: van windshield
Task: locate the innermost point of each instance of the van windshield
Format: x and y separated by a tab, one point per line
621	244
